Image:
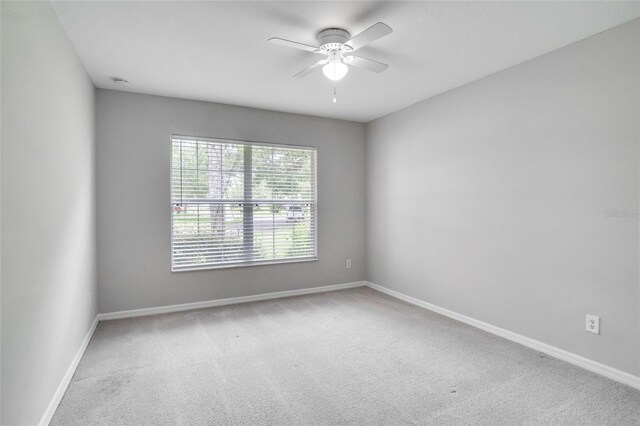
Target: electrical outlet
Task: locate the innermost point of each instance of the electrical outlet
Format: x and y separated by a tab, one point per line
348	263
593	324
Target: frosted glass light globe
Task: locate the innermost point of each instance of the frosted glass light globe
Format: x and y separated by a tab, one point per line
335	70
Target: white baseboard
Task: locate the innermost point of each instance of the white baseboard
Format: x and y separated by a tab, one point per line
66	379
222	302
587	364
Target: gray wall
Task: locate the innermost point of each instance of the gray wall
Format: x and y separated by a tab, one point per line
490	200
134	210
48	208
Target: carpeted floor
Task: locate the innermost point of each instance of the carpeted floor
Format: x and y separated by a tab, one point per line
345	357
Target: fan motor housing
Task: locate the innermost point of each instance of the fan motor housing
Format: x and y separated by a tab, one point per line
333	38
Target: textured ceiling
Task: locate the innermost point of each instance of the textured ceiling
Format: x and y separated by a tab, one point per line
218	51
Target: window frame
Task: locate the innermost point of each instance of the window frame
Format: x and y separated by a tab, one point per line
314	208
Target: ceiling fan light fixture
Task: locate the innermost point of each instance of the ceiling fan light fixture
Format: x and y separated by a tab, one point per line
334	70
337	45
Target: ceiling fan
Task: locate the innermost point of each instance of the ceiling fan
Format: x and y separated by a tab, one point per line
337	45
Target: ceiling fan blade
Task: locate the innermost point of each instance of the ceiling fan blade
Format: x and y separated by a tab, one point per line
367	64
372	33
310	68
294	44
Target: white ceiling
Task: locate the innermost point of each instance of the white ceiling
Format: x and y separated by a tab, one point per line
218	51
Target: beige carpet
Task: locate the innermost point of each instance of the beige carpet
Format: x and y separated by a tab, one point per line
345	357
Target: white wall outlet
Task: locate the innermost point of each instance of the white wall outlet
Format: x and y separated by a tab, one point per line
593	324
348	263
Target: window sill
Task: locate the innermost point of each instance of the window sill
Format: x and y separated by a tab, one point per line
242	265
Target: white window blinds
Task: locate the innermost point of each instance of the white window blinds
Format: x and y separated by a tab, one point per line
239	203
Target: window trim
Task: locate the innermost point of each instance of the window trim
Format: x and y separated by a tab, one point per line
313	258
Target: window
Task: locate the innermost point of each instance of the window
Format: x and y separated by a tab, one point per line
237	203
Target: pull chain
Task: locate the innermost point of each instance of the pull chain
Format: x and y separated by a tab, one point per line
334	96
